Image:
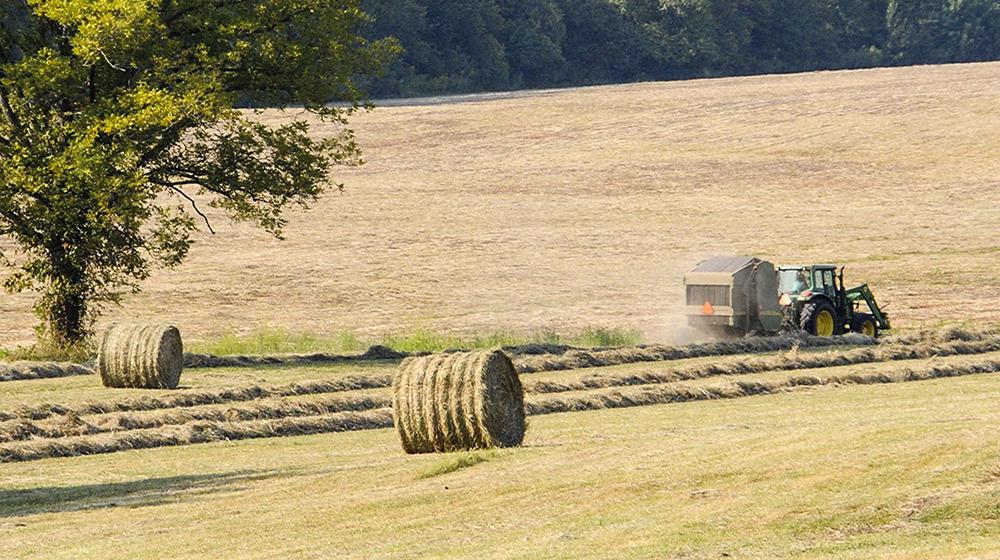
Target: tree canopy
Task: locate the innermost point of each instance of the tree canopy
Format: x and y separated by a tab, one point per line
117	117
462	46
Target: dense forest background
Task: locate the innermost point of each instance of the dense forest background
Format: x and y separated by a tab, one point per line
454	46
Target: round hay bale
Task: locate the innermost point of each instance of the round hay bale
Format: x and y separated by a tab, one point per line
458	401
141	357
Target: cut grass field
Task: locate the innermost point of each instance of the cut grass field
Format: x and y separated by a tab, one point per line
559	210
887	471
840	458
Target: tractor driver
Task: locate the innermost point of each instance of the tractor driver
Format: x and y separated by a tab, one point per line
801	282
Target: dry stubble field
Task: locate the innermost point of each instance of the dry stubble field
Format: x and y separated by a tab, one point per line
567	209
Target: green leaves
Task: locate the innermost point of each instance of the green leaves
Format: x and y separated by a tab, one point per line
117	123
112	31
254	172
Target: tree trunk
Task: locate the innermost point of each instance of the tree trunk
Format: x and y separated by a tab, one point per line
64	309
67	316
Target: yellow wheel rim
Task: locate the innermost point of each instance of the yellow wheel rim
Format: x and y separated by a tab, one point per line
868	328
824	323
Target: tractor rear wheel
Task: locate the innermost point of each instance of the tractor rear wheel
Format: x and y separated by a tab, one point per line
865	324
820	319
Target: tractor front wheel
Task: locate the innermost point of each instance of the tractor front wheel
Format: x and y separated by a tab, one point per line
820	319
865	324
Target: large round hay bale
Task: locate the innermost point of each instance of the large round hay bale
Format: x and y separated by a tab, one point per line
141	357
458	401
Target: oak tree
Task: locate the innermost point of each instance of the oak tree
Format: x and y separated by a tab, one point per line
119	117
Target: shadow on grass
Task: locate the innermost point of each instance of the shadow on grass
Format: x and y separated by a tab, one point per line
137	493
456	462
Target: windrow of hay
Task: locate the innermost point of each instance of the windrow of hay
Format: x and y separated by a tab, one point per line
68	426
141	356
201	431
664	394
20	371
575	358
374	353
203	397
196	432
142	416
543	357
788	361
62	426
946	334
746	345
24	371
578	359
448	402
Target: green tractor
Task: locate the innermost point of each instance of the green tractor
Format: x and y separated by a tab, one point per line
738	296
815	300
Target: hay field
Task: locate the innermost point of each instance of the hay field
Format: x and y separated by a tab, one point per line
563	209
897	468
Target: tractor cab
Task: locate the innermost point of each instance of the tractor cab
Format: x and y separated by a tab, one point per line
803	282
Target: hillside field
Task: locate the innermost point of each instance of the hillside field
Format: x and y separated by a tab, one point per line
558	211
566	209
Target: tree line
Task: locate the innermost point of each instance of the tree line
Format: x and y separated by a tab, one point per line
477	45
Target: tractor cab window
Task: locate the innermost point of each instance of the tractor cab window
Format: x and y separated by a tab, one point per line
818	280
823	280
793	281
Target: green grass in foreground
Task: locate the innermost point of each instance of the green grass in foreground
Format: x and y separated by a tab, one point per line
276	340
876	471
